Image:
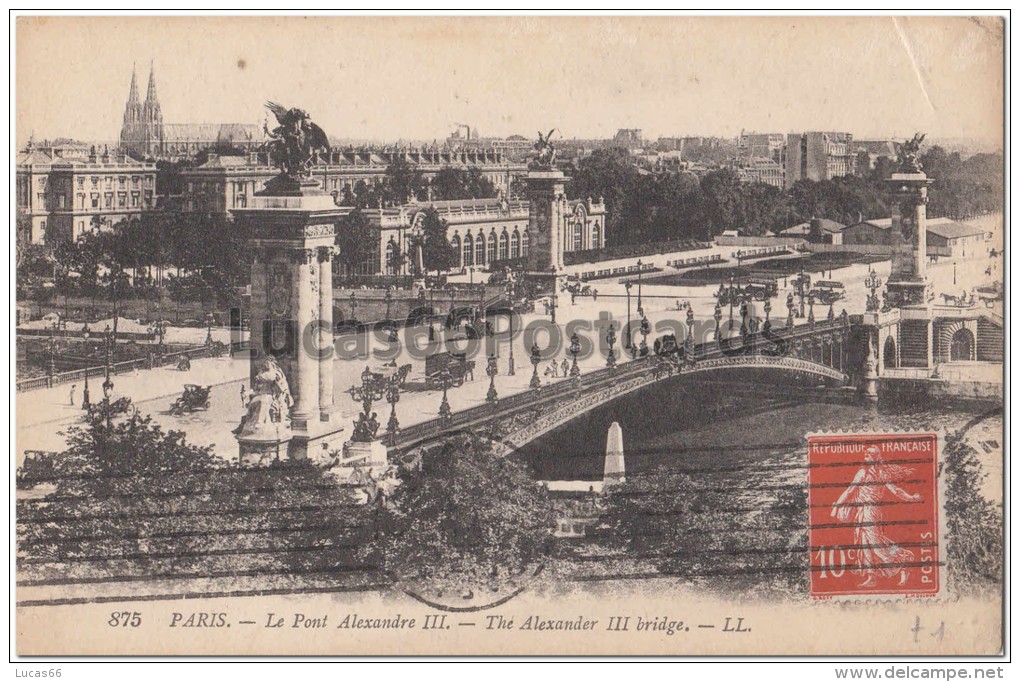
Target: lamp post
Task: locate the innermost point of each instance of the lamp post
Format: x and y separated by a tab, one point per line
717	316
553	310
646	328
536	357
446	380
767	325
731	297
627	337
85	393
510	360
107	382
640	308
801	286
354	304
51	347
208	329
811	309
393	397
575	348
367	393
492	370
790	307
611	339
389	301
954	273
872	282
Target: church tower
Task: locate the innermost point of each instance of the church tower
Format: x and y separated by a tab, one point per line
130	131
152	117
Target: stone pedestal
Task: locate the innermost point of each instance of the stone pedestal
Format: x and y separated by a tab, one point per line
292	223
908	285
546	219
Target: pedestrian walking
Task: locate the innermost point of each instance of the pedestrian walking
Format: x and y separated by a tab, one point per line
565	367
73	386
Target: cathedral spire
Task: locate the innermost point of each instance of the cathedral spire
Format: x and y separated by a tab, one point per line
133	94
150	96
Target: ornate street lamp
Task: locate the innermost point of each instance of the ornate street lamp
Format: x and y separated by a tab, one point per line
790	307
627	337
640	308
492	370
553	269
744	313
208	329
536	357
811	309
369	392
393	397
732	300
85	393
51	347
611	339
872	282
446	380
107	382
510	361
575	348
717	316
646	329
767	326
802	292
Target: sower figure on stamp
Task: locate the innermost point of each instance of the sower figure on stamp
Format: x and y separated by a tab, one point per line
877	554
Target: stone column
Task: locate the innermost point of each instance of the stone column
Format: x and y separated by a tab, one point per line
305	387
326	402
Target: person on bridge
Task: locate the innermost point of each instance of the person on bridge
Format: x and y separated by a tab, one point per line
565	367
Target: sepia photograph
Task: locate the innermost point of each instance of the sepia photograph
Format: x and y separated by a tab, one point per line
407	336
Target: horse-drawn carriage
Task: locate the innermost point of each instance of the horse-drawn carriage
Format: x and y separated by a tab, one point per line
457	364
194	398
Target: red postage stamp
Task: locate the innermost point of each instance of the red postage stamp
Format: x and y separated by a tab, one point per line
873	505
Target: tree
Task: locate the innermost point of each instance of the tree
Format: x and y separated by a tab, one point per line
437	252
466	519
452	184
403	182
687	528
356	239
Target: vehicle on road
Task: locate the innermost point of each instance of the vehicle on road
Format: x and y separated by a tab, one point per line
456	363
757	288
194	398
828	292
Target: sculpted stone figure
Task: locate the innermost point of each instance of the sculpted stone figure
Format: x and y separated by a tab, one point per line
269	407
293	143
546	156
908	153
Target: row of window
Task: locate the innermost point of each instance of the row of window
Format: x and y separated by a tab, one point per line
136	180
479	251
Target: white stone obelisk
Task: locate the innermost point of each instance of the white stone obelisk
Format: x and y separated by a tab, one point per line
614	468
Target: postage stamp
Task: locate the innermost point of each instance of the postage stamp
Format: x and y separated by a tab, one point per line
873	502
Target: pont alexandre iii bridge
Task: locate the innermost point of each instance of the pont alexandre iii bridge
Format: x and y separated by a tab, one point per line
818	352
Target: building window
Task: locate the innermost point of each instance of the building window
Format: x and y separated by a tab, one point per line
108	200
109	182
121	180
134	200
578	232
455	244
596	237
515	244
492	247
525	243
469	250
121	199
95	200
480	250
503	244
81	182
81	201
95	181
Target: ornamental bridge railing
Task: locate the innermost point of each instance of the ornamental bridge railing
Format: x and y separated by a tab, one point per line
817	349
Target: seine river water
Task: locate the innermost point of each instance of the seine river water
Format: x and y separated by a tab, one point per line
703	425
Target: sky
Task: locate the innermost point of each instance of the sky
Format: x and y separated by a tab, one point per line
416	78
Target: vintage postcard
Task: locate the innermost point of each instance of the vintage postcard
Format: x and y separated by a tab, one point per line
509	335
